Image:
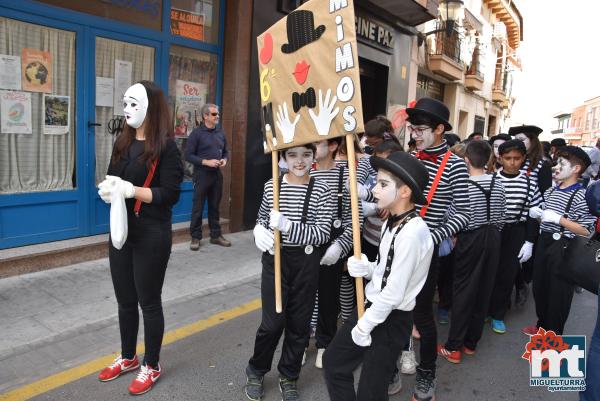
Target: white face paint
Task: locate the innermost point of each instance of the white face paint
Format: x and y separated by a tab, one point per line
563	170
523	138
423	136
385	190
496	146
299	160
135	105
322	150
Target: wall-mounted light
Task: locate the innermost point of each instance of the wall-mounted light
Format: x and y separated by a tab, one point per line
450	11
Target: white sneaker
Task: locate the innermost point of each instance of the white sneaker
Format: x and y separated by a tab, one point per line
319	360
408	363
304	357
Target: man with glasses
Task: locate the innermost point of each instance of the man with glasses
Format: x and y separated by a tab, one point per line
207	150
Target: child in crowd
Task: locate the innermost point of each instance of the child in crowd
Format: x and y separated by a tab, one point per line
476	255
564	216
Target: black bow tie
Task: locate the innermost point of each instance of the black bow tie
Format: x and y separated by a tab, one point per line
393	219
308	99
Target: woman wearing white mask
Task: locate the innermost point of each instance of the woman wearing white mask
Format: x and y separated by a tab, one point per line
494	164
146	170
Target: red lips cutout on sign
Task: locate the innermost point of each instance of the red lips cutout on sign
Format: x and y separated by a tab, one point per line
301	72
266	53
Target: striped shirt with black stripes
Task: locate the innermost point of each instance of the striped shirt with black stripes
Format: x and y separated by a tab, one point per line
557	200
452	190
520	196
478	202
317	229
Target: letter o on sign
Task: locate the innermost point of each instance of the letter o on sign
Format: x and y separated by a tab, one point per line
345	89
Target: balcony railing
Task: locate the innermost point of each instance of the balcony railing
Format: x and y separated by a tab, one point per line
500	79
445	45
475	67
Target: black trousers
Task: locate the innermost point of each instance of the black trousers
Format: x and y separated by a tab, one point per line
552	294
369	249
330	278
208	186
475	265
378	360
423	316
138	272
299	280
444	283
513	238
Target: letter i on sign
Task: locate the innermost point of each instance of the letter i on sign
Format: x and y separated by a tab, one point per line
340	28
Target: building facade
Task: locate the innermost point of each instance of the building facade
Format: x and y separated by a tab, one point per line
583	128
473	67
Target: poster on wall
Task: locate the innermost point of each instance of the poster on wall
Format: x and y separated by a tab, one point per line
187	24
123	80
15	112
309	76
36	70
57	112
10	72
104	92
189	98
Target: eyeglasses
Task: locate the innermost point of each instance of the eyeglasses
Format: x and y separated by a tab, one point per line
417	130
214	114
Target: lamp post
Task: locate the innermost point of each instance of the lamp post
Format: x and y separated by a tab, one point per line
450	11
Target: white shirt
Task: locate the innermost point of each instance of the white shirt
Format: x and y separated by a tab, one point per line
413	250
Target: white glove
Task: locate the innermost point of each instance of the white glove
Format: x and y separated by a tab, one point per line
535	212
113	184
279	221
263	238
525	252
332	254
369	209
359	267
360	337
549	216
363	192
106	187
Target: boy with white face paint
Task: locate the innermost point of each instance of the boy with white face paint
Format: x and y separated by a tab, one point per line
304	219
405	251
332	262
564	216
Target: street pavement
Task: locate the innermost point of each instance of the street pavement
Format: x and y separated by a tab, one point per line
63	318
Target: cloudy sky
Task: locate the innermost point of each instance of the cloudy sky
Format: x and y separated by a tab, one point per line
560	54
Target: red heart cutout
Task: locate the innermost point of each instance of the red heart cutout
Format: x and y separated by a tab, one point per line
266	53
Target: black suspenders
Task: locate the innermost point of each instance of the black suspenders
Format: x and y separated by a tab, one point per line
309	190
488	196
340	193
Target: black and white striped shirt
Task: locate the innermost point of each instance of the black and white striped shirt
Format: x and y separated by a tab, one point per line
479	205
541	175
452	190
557	200
332	177
317	229
520	196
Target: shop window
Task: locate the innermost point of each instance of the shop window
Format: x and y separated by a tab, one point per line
192	83
37	108
196	19
137	61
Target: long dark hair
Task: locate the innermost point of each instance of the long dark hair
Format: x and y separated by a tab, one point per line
158	127
535	152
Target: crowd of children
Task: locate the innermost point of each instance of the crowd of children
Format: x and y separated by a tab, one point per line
472	222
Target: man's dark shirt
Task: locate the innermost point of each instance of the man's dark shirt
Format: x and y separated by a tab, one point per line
205	144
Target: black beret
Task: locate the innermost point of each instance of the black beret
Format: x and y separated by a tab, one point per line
525	129
577	152
512	144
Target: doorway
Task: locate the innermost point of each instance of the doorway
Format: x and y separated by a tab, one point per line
373	86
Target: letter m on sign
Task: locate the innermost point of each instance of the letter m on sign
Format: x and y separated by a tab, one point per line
335	5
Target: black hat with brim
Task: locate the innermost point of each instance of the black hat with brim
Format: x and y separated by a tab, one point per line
525	129
577	152
408	169
499	137
433	109
558	142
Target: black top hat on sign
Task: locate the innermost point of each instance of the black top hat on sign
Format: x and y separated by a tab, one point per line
409	169
431	108
301	30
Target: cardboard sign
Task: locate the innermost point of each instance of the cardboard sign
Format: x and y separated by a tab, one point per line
309	76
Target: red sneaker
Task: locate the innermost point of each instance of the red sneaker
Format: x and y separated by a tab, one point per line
144	380
118	367
468	351
530	330
451	356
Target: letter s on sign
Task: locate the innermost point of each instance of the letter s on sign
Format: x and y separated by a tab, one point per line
350	124
265	88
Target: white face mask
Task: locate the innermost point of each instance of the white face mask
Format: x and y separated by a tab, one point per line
135	105
322	150
563	169
299	160
497	144
424	139
385	190
523	138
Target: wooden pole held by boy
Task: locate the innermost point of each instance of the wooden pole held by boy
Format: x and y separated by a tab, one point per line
276	233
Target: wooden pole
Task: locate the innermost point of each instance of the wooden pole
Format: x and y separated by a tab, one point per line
277	234
360	293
